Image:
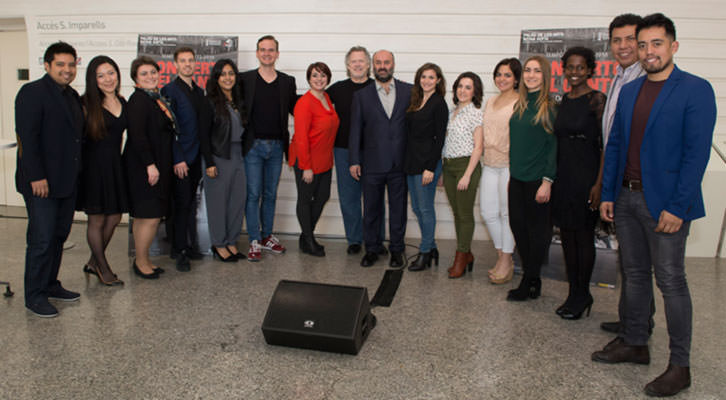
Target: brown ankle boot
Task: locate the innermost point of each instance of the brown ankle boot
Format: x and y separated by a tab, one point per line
456	258
461	262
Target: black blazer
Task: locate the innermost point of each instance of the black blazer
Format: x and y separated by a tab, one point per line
377	143
426	133
49	140
288	98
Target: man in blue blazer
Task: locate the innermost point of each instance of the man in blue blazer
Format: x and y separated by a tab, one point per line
377	151
49	127
187	103
655	159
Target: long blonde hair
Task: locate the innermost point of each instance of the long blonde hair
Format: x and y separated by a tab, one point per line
544	103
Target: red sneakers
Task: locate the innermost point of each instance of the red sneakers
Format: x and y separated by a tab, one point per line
255	251
271	243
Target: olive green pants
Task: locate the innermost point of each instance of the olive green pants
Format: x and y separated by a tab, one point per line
462	201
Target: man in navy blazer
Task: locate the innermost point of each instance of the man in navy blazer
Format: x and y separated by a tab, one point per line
655	159
187	103
49	127
377	151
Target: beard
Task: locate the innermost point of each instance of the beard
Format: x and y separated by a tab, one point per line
383	78
654	69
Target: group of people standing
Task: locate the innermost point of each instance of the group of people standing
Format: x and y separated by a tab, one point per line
543	163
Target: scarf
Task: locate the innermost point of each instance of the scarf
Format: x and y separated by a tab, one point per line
165	105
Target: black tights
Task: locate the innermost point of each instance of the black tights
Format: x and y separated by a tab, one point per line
99	233
579	251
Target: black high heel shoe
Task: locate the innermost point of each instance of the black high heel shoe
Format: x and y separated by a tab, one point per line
239	255
218	257
575	312
137	271
422	262
435	256
529	288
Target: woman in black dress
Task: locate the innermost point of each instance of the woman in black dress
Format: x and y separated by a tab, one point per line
148	158
576	192
102	189
426	119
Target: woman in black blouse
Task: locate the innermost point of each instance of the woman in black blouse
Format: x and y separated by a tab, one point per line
576	192
148	158
426	118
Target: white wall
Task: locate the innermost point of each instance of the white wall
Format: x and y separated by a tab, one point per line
472	36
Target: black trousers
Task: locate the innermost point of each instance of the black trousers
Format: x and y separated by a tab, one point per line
374	186
530	223
311	198
49	223
184	208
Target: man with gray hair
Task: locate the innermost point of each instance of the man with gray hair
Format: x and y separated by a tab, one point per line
358	66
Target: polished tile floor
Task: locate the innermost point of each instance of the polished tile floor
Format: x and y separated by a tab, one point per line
197	335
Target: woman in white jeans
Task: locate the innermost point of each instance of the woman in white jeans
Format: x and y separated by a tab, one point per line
495	176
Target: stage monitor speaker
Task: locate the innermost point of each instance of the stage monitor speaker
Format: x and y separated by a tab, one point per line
318	316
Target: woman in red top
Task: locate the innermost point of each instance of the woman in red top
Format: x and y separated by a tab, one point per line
311	154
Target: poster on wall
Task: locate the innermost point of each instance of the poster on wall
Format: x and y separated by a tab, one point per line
552	44
207	49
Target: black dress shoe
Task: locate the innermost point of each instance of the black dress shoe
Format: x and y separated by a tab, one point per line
669	383
617	341
620	352
354	248
137	271
369	259
59	293
396	260
612	327
159	270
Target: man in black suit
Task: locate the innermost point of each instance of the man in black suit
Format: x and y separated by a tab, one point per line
377	151
49	127
269	97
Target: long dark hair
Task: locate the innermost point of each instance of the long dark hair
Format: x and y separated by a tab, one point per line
417	91
217	97
92	99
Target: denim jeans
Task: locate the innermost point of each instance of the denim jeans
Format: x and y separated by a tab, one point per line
349	197
49	223
640	248
422	203
263	165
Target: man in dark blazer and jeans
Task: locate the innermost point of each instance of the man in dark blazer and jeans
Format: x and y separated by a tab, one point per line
377	151
49	126
269	97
